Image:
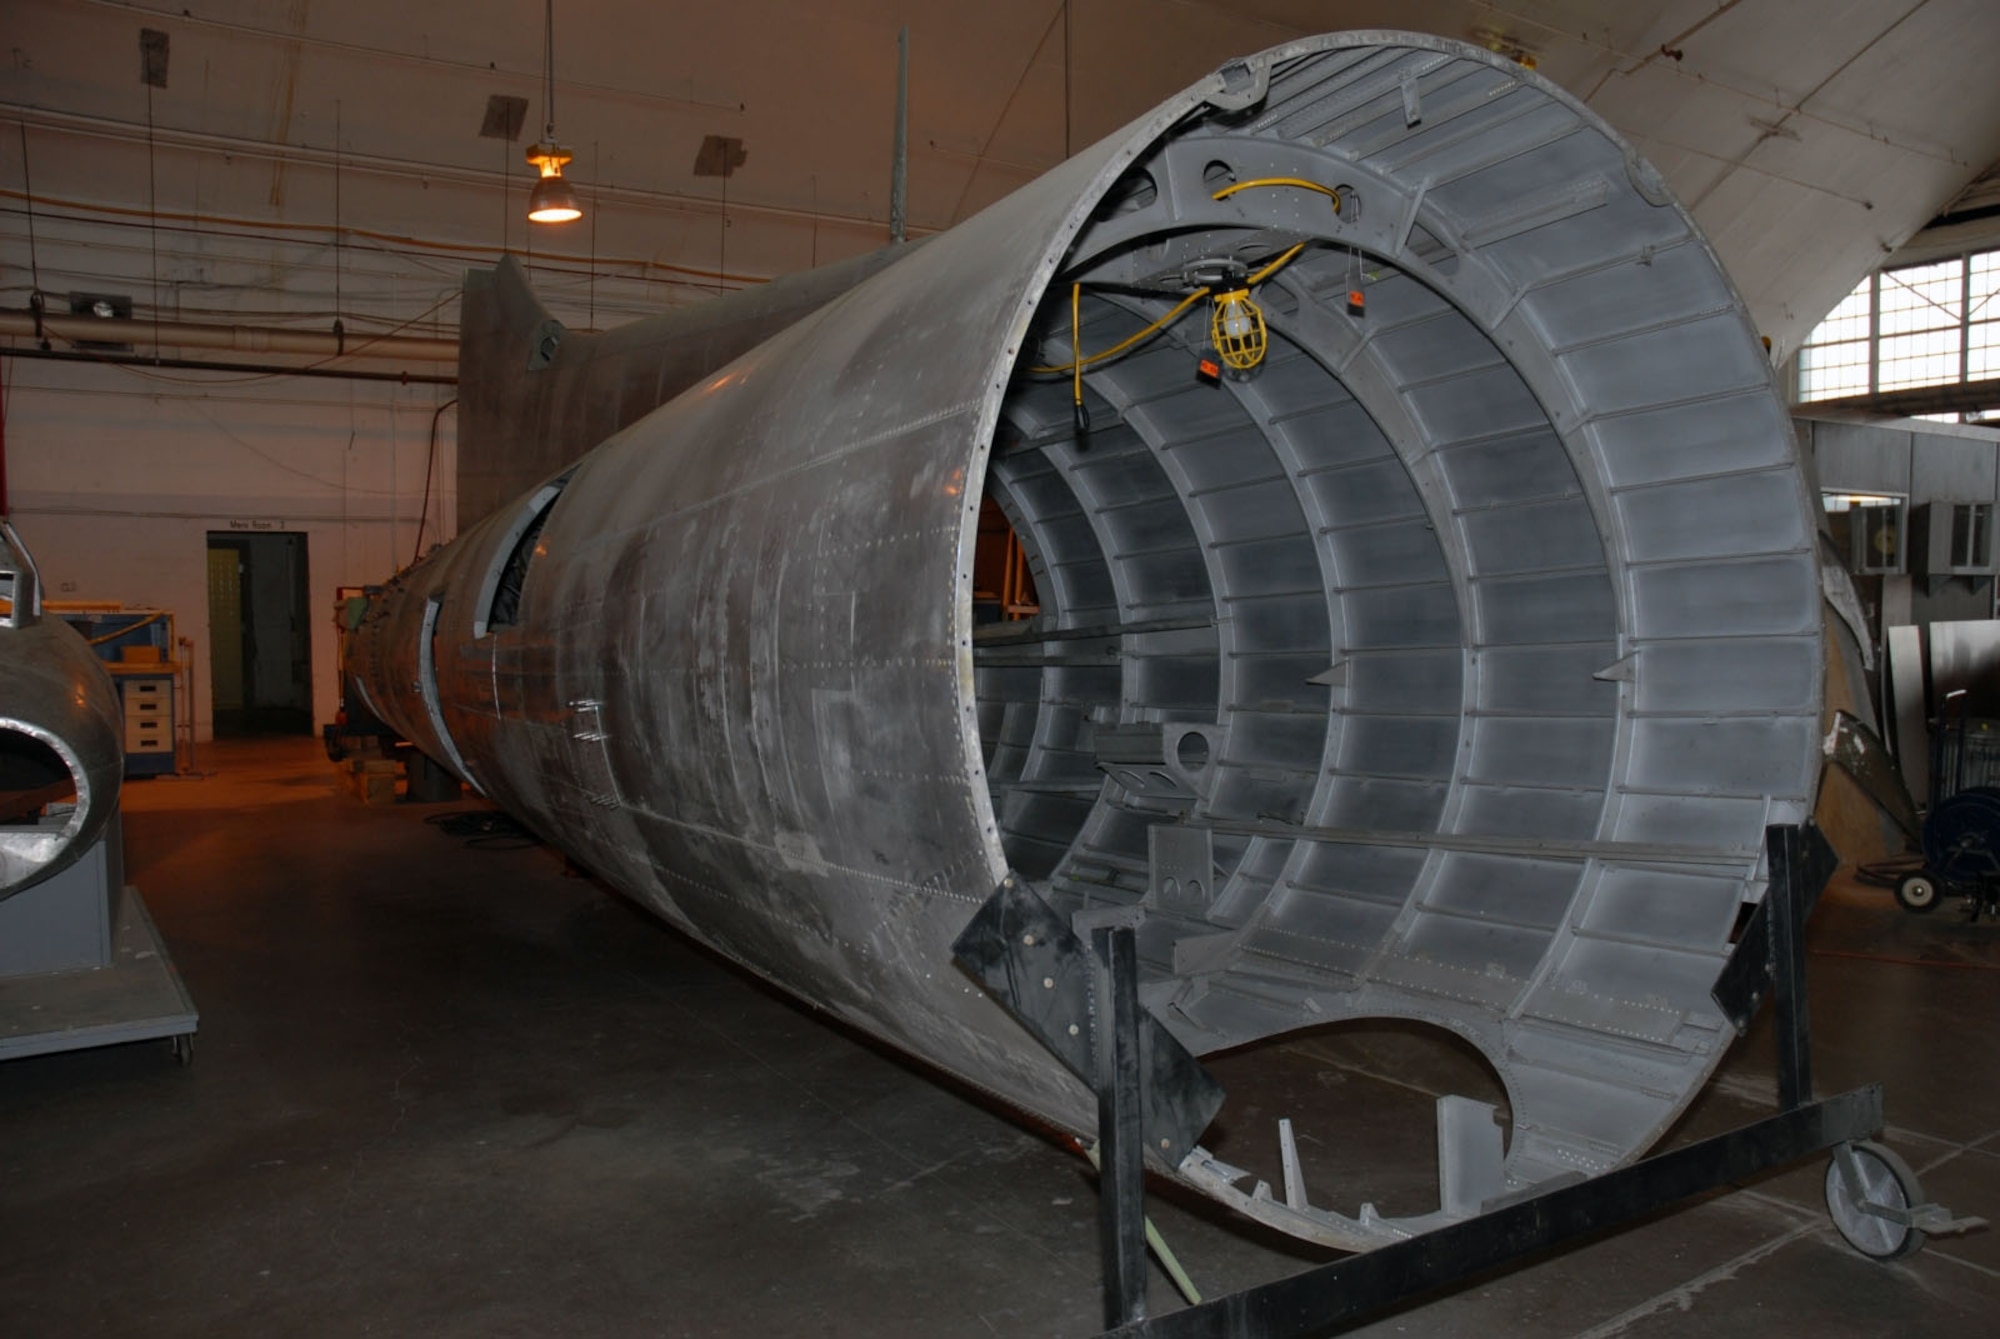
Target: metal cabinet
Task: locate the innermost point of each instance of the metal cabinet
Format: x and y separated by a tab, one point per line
148	697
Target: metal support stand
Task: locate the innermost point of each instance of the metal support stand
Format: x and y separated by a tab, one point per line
81	964
1864	1186
1799	869
1081	1001
1873	1197
1121	1214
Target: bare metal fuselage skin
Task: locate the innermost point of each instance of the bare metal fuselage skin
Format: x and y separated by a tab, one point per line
60	730
1468	647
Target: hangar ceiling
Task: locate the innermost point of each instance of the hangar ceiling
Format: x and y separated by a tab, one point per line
1809	137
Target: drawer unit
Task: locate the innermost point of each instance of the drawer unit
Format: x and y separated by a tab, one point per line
149	721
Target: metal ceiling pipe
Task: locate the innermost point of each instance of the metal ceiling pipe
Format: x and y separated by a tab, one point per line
62	739
1445	666
140	333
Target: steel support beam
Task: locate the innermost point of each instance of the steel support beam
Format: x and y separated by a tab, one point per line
1318	1299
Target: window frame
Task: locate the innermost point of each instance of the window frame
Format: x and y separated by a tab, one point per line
1969	321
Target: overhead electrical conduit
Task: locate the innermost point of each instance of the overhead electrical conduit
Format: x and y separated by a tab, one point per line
239	338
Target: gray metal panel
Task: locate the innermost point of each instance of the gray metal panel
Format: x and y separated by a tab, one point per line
63	923
137	997
1906	697
1862	458
534	397
1950	469
1965	656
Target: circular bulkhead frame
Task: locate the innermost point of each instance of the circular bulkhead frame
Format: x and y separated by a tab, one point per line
1449	663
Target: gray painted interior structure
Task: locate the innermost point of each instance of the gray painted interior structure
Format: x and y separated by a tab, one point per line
1448	669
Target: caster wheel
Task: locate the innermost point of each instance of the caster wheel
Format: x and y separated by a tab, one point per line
1885	1182
1918	892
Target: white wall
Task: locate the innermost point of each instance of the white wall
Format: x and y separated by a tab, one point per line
116	475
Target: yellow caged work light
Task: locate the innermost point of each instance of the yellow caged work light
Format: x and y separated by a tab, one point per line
1236	328
1236	323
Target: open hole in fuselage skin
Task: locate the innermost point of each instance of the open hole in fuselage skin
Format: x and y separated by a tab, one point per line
1362	1099
34	779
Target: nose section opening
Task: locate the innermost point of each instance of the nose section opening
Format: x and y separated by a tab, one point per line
40	808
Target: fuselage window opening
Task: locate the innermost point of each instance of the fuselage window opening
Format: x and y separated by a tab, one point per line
500	606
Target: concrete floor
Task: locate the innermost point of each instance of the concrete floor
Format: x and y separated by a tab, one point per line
450	1091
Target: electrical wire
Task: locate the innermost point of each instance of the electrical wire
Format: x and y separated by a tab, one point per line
374	337
339	486
1006	108
126	362
1126	343
28	194
389	244
1888	873
3	440
1907	962
1154	1238
1077	359
1298	182
337	247
1076	335
1148	332
1283	260
153	214
430	468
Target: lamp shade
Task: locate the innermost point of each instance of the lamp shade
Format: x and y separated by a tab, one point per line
553	201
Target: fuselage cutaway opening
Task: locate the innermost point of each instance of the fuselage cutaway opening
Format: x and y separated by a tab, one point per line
1387	657
499	604
1250	658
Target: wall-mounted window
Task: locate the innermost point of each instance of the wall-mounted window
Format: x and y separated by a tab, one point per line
1952	539
1972	535
1935	324
1870	528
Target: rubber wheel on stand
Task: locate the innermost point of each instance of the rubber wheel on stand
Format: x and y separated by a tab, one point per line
1917	891
1886	1182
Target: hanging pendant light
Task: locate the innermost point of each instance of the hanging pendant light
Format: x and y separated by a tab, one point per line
553	200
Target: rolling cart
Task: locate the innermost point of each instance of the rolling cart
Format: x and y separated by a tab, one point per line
1961	833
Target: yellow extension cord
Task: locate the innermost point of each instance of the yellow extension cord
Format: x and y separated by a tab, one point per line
1078	361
